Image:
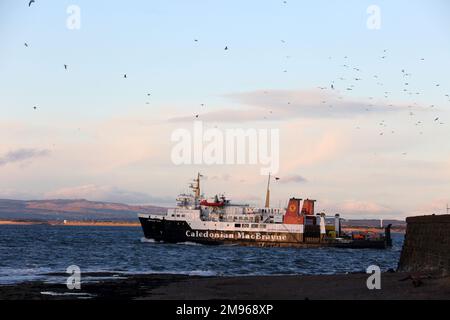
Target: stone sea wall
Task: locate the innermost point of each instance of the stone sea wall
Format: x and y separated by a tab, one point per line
427	245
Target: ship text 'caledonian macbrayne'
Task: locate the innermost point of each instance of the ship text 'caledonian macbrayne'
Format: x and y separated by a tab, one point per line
217	221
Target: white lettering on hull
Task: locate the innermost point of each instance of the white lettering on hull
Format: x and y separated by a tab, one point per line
218	235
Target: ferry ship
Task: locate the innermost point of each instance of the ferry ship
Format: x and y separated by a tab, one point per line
217	221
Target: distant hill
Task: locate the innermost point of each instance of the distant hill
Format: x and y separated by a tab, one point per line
78	209
84	210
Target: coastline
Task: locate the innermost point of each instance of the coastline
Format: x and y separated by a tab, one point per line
16	223
395	286
137	224
73	223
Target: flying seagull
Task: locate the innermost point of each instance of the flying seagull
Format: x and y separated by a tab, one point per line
226	48
65	66
35	108
31	2
25	44
125	75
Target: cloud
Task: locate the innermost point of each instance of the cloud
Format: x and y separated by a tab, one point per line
223	177
21	155
362	207
434	206
288	104
107	194
319	145
14	194
351	209
246	199
295	178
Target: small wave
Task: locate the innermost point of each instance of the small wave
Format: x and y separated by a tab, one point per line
202	273
10	275
188	243
79	294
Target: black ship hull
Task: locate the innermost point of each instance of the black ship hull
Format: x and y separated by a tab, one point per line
172	231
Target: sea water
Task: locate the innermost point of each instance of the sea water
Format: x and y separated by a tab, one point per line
41	252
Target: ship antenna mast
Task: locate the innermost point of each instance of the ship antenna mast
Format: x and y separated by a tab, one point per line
268	193
447	208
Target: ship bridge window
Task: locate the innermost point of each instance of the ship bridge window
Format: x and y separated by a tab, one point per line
237	225
262	226
245	226
254	226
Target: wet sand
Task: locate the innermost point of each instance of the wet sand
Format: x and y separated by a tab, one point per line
181	287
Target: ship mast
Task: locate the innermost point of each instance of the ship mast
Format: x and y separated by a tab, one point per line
197	186
268	193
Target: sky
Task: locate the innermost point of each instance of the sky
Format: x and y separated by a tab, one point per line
363	112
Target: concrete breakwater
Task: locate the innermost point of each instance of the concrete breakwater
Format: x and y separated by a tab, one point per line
427	245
